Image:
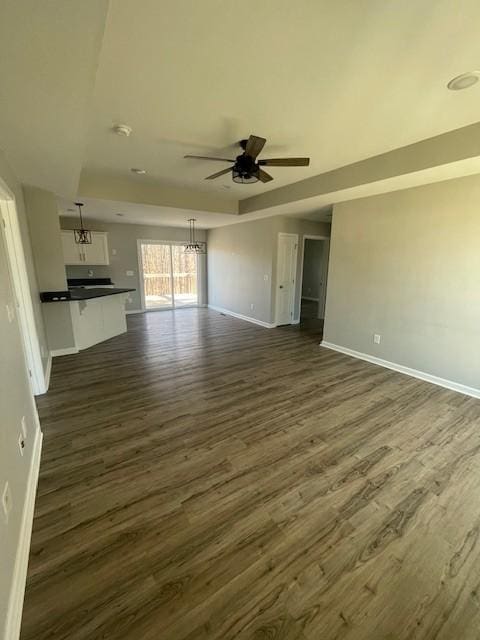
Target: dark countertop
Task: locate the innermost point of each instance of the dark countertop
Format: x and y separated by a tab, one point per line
81	294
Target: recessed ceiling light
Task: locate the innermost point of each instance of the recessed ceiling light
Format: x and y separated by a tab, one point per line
464	81
71	210
120	215
122	130
140	172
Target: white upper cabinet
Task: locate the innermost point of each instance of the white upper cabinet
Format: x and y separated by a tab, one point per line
95	253
71	250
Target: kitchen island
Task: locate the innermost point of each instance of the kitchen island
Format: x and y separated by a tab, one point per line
97	314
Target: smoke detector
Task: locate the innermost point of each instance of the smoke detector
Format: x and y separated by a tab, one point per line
122	130
464	81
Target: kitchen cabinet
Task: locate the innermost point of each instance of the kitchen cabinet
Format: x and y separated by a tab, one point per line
95	253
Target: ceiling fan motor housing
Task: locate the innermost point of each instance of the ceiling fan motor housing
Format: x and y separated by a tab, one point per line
245	169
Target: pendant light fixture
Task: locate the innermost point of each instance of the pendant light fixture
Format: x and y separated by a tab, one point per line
192	246
82	236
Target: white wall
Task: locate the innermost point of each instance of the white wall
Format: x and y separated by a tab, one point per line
406	265
242	264
123	239
16	401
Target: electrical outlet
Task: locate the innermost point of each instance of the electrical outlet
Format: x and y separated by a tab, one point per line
265	277
252	307
6	502
377	338
130	273
114	252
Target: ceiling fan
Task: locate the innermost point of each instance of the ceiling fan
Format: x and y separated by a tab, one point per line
246	168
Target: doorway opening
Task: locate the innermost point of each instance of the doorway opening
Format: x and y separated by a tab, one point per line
12	240
169	276
313	286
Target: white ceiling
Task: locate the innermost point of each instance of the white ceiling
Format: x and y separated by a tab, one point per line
338	81
133	213
48	57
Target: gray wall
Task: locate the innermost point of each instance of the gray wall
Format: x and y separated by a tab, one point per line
242	263
122	239
240	259
44	225
15	401
312	268
406	265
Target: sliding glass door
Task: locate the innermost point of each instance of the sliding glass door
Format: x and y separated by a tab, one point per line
184	269
169	276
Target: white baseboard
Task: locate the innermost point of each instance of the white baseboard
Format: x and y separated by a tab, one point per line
414	373
64	352
312	299
240	316
131	311
17	593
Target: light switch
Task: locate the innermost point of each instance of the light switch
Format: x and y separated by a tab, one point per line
130	273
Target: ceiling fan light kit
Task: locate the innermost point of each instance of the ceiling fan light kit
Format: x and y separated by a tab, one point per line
193	246
82	235
246	169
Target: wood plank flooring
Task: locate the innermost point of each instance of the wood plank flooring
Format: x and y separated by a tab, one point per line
204	478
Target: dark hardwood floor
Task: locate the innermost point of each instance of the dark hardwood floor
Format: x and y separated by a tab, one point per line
205	478
309	321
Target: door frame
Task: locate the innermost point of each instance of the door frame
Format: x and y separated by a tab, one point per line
292	300
21	291
141	279
312	237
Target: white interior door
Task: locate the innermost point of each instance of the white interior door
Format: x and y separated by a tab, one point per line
286	270
12	239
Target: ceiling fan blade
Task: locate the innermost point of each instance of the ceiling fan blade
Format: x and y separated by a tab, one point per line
219	173
264	176
208	158
254	146
285	162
